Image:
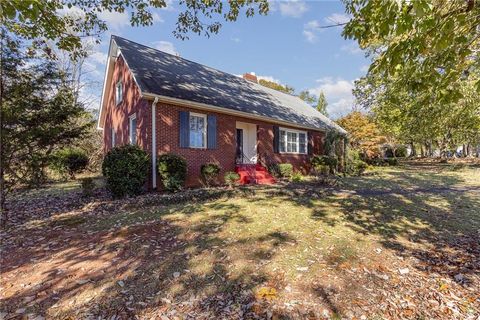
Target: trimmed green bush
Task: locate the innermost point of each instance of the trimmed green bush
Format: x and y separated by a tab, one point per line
401	152
330	161
231	178
285	169
209	172
359	166
322	169
70	161
296	176
172	169
274	170
126	169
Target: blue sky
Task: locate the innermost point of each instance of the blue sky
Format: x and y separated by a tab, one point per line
285	46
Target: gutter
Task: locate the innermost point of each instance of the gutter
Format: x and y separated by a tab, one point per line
208	107
154	144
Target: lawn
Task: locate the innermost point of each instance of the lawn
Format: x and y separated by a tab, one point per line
400	242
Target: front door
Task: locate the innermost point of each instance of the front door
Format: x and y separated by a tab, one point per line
239	145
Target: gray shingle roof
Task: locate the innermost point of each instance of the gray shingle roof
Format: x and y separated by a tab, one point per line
157	72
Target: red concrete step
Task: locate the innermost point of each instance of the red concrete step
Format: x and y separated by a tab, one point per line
255	174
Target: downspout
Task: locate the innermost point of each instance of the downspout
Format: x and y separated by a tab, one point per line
154	145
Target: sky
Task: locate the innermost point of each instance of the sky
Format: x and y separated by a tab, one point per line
286	46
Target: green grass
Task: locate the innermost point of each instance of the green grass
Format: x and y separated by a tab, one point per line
293	236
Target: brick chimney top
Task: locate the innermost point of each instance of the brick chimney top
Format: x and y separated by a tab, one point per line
250	77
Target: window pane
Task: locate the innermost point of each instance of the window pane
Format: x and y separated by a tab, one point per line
133	131
302	145
197	131
282	141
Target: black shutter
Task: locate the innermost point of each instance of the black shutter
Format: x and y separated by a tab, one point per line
310	144
276	139
184	129
211	132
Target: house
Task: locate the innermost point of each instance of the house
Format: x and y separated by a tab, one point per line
165	103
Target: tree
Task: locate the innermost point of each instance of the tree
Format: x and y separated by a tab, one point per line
277	86
363	133
322	104
47	20
39	114
306	96
429	48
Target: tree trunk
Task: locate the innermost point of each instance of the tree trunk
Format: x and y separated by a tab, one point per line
422	152
3	191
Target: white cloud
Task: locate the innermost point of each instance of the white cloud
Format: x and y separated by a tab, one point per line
337	18
98	57
310	30
165	46
338	93
234	39
351	48
293	8
364	68
115	20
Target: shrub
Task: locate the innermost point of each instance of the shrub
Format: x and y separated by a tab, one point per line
359	166
88	185
391	161
296	176
70	161
231	178
173	171
401	152
274	170
209	172
330	161
322	169
285	169
125	169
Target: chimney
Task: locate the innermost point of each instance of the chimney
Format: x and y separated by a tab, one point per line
250	77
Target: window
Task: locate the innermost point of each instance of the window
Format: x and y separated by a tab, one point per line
133	129
118	92
198	130
293	141
113	137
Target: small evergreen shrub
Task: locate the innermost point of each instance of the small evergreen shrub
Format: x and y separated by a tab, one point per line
70	161
125	169
285	169
88	186
359	167
231	178
274	170
210	172
391	161
401	152
296	176
322	170
172	169
330	161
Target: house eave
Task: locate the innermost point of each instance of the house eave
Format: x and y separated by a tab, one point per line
208	107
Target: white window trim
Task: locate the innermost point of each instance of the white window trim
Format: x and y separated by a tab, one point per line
200	115
119	84
130	132
298	140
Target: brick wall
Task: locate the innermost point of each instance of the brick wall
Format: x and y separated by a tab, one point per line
117	115
168	141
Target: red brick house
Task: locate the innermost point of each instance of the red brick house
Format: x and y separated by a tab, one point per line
165	103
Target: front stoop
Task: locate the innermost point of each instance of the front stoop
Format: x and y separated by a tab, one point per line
254	174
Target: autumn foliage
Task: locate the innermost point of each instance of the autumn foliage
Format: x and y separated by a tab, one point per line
364	135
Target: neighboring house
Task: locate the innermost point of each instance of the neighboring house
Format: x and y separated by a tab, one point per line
165	103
